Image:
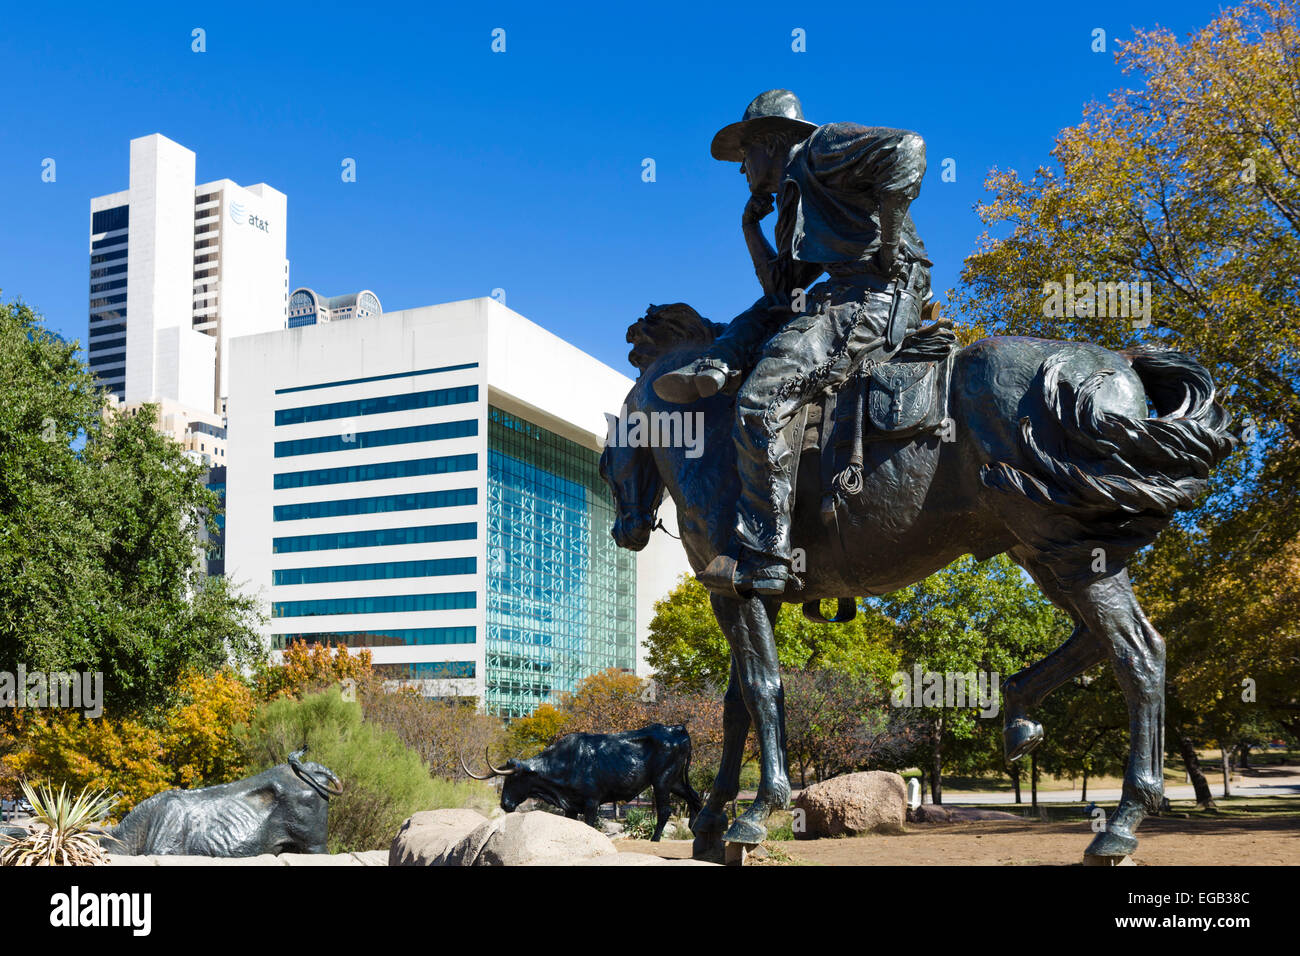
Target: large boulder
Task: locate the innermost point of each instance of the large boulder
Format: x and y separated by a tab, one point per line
870	802
522	839
427	837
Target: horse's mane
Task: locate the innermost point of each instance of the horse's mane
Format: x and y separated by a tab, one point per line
666	327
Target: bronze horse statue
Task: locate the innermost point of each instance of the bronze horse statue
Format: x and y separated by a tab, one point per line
1066	456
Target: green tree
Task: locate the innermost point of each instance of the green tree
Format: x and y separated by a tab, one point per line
100	559
1189	181
686	646
984	618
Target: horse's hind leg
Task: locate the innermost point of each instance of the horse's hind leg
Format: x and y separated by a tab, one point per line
1137	653
711	821
1028	688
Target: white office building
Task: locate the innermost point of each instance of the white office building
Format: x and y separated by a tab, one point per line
177	269
425	484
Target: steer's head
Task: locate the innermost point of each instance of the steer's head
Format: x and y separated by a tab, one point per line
522	780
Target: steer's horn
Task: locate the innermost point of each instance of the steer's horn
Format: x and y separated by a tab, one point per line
496	770
312	779
465	767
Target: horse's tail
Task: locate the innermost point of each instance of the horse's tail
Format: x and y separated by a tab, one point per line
1119	478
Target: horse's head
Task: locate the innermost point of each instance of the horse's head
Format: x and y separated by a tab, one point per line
666	336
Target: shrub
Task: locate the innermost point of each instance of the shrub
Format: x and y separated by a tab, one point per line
65	837
105	754
532	734
194	746
440	731
199	739
639	824
305	668
384	780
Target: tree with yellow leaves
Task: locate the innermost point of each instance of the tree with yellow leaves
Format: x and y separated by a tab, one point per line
1185	188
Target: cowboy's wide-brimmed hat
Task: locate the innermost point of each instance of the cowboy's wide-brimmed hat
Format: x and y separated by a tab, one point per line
776	111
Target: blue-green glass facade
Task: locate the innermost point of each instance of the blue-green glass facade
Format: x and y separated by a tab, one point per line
561	597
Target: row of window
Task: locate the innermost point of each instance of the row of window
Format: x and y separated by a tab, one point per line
112	241
376	439
110	220
434	398
375	378
116	255
107	345
426	670
380	537
379	471
108	325
387	604
414	501
394	637
108	271
436	567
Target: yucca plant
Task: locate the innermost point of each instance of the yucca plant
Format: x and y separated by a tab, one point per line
63	836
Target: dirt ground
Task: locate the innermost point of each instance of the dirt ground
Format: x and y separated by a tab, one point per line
1269	840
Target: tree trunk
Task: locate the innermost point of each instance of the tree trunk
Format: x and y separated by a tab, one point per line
936	771
1245	756
1193	764
1015	780
1227	770
1085	785
1033	781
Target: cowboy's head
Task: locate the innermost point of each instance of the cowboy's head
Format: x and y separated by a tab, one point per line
761	141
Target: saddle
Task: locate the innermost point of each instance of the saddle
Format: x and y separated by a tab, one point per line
899	400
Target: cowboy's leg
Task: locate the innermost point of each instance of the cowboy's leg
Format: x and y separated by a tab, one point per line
726	358
813	353
739	344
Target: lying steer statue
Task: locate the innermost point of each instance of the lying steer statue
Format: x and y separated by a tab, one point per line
579	772
284	810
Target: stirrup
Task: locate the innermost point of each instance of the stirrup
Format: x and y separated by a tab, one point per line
724	575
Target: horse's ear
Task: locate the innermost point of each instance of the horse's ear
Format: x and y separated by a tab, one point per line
664	327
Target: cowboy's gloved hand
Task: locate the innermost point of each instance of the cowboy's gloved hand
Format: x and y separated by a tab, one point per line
889	263
758	206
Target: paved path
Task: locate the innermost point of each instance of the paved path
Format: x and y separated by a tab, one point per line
1261	783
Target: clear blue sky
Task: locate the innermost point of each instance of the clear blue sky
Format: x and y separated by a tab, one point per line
520	170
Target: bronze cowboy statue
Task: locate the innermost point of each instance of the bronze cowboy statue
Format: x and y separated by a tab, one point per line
842	195
842	424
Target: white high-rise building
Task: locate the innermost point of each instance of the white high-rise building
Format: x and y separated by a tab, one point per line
176	271
425	484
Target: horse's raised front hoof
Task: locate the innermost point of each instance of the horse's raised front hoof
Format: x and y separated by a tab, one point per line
745	831
1020	737
1111	845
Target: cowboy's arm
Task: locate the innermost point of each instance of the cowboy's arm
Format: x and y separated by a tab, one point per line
779	273
760	250
888	163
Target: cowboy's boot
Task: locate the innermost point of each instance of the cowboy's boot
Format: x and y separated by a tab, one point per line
702	378
752	573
